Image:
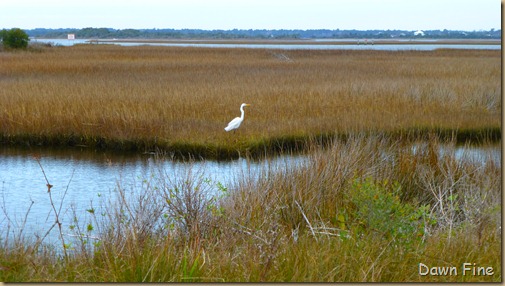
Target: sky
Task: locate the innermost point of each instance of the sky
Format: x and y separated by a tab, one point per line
467	15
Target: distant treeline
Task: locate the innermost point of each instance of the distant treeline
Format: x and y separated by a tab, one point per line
108	33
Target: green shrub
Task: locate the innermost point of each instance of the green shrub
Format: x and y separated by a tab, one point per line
14	38
379	211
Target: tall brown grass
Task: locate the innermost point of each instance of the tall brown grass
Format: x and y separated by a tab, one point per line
172	98
352	212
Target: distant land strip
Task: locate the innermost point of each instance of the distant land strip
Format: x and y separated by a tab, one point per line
307	42
109	33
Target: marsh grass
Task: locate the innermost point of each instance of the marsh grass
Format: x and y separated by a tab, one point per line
367	208
366	205
180	99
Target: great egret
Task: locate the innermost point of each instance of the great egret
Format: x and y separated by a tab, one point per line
235	123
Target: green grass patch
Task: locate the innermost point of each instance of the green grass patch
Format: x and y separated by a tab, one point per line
245	146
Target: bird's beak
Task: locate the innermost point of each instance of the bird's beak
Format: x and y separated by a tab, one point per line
247	105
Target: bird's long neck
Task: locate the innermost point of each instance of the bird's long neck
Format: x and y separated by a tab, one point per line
242	112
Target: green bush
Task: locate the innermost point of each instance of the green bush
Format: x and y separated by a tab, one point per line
379	211
14	38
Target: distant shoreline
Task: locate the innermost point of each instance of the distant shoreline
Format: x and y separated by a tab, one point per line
310	41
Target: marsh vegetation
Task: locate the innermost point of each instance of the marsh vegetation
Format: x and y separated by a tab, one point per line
179	99
364	205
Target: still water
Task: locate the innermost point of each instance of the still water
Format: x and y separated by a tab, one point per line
308	46
82	178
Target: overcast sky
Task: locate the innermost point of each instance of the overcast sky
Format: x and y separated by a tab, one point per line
466	15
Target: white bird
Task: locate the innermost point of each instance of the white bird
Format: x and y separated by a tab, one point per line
235	123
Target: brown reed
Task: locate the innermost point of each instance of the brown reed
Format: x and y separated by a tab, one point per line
174	98
313	222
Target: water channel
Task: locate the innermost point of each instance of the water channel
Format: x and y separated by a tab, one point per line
308	46
82	178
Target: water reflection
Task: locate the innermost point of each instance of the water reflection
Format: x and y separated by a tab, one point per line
82	178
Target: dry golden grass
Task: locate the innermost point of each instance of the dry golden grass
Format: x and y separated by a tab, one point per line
141	97
305	223
351	212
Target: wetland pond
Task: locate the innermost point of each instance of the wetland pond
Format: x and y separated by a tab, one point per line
84	179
